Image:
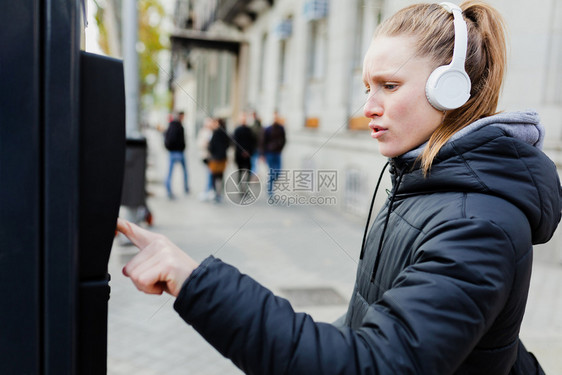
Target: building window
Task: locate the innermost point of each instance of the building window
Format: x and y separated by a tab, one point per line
368	16
358	48
282	61
317	49
227	63
284	29
355	191
283	32
262	62
552	90
315	9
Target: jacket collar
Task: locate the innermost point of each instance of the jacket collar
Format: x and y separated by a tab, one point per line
491	160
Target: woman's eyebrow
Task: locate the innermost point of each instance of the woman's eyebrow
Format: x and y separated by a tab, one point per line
384	76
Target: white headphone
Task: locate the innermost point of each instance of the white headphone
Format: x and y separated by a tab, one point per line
448	86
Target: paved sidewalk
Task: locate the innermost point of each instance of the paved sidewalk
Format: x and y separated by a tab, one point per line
281	247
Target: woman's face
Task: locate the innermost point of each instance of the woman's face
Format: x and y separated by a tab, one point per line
401	117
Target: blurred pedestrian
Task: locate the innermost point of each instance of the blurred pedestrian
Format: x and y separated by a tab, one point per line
203	140
257	129
245	143
218	145
174	140
444	272
273	144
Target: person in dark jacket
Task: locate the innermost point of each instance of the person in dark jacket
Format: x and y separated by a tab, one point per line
245	143
174	141
273	143
444	270
218	145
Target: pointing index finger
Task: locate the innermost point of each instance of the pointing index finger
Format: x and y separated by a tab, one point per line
140	237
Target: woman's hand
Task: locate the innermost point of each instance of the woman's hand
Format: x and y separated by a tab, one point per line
160	266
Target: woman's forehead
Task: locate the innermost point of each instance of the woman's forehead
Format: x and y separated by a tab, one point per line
390	55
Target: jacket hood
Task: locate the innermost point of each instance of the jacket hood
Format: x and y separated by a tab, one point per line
499	155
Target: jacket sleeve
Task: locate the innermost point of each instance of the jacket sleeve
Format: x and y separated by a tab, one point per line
427	323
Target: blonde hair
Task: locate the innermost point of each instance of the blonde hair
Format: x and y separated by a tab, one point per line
485	64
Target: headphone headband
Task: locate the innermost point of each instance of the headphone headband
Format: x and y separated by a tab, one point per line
461	37
448	86
449	7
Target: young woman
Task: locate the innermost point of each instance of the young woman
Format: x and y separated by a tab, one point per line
444	273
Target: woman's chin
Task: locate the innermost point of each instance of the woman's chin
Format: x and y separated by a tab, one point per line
387	152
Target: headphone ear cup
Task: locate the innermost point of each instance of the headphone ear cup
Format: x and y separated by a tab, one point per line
447	88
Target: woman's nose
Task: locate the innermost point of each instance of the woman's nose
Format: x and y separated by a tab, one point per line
373	106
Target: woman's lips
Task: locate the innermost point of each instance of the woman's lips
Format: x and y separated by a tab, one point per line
377	131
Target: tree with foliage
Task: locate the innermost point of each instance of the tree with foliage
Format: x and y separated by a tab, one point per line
151	40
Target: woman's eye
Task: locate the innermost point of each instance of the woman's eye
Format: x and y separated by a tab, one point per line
367	91
390	86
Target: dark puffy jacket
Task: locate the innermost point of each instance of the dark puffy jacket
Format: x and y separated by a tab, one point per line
245	142
174	139
449	290
219	144
274	138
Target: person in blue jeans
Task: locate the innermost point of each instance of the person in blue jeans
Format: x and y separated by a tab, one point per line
273	143
174	140
273	160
